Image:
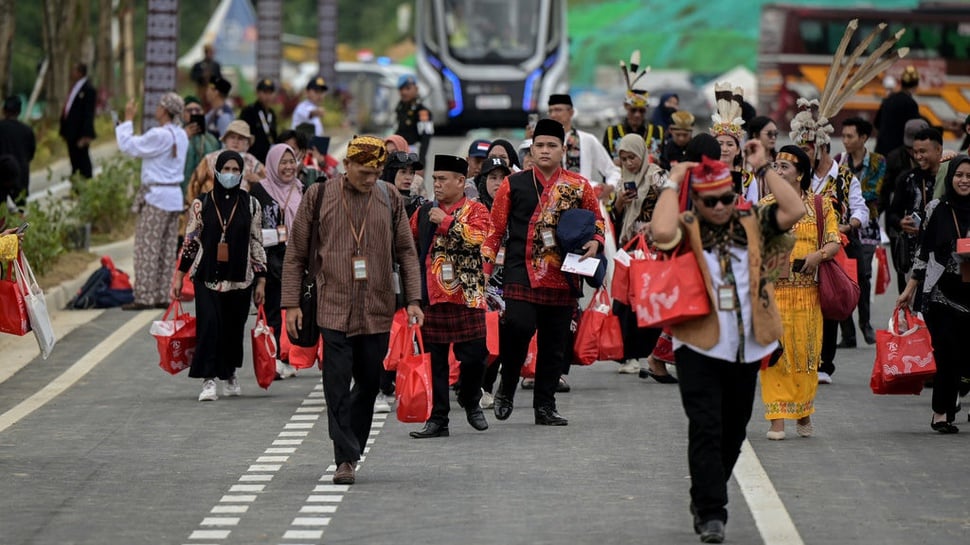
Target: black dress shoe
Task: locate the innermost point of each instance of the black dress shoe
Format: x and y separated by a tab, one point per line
547	416
846	343
477	419
563	386
665	378
431	429
712	531
868	334
502	406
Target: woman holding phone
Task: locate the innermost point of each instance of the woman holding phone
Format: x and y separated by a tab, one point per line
788	387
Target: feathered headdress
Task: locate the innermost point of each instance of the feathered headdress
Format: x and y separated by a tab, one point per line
636	98
727	119
812	123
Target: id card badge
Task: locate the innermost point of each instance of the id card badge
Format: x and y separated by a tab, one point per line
281	233
360	268
448	272
500	256
222	252
725	297
548	238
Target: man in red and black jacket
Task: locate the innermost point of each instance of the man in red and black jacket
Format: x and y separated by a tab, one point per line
537	294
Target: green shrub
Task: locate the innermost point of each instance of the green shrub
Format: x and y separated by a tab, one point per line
105	200
46	239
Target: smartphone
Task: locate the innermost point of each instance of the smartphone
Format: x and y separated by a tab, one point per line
916	219
533	119
798	265
630	187
199	120
114	117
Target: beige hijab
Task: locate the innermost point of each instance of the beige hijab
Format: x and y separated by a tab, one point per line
634	143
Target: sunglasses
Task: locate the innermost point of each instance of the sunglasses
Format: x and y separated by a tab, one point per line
772	134
726	199
404	157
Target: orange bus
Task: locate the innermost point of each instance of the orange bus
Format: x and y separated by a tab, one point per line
797	44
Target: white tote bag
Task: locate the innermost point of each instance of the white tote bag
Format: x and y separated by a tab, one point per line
40	319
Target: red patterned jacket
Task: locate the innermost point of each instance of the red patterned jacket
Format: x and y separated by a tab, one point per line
565	190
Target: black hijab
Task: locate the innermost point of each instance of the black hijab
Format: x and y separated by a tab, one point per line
237	231
941	234
509	148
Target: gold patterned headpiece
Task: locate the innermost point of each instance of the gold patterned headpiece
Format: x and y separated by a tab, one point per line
635	97
368	151
727	119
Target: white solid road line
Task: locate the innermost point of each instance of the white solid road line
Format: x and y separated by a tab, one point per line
773	521
75	372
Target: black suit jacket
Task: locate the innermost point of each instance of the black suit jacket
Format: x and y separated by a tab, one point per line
17	140
78	122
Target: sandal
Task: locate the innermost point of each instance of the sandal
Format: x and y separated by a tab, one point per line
944	427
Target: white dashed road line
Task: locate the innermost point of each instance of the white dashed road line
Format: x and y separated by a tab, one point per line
770	516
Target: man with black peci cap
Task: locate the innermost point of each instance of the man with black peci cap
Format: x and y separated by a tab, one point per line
583	154
220	113
538	296
311	109
413	118
449	233
261	119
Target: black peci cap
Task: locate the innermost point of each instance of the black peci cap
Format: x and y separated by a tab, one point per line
549	127
451	163
560	99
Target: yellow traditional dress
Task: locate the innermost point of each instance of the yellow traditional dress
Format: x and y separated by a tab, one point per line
788	388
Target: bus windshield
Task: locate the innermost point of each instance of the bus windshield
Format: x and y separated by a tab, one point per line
487	31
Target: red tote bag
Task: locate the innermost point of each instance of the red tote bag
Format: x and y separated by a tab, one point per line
264	350
611	339
883	276
13	308
586	346
905	353
175	337
399	343
634	250
668	290
414	382
529	366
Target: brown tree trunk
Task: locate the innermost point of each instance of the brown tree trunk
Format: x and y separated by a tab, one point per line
104	59
60	46
6	43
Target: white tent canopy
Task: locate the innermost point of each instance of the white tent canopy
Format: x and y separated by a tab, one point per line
232	30
739	76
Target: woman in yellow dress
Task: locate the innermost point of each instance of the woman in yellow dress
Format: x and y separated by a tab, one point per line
788	388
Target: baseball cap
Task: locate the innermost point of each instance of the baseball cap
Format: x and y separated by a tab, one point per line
479	148
495	163
913	126
317	84
405	80
266	84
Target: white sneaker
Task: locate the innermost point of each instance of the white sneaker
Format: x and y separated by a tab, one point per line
824	378
487	401
208	391
285	370
381	405
631	367
231	388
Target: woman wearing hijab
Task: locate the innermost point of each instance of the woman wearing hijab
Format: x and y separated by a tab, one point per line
632	211
223	254
503	149
788	388
279	194
662	114
945	276
401	171
416	186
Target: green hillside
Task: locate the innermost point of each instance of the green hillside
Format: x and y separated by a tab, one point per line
705	37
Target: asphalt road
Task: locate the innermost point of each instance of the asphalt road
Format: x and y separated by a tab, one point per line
99	446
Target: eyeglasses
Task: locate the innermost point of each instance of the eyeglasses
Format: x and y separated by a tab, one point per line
638	110
726	199
772	134
404	157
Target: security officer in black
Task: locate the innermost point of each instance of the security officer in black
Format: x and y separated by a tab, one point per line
261	119
413	119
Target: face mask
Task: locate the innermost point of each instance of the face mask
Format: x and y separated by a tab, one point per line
228	180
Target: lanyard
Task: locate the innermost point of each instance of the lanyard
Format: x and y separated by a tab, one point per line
535	185
225	224
358	235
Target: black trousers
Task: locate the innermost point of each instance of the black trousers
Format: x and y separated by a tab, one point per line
863	254
472	356
271	304
830	336
350	411
947	327
491	373
220	331
717	396
520	322
638	342
80	159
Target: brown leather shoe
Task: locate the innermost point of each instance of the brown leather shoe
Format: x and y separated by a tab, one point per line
344	474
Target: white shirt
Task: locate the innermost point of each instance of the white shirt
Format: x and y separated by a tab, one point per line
301	114
593	158
159	169
857	204
74	91
727	346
